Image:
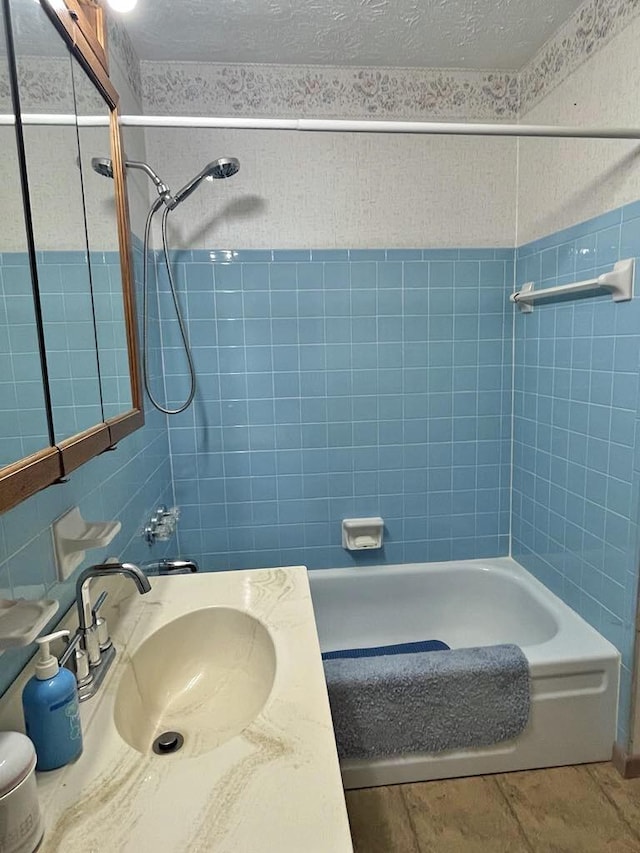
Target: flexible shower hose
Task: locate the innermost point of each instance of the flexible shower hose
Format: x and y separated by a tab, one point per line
145	311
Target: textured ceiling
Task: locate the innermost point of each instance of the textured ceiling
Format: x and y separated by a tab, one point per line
501	34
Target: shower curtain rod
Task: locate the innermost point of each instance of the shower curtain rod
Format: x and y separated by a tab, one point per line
374	126
57	119
438	128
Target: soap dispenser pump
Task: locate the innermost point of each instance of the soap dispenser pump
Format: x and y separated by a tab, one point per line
51	709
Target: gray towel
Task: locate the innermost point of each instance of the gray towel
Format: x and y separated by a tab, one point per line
428	701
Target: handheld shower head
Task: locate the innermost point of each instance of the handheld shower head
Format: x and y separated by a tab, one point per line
225	167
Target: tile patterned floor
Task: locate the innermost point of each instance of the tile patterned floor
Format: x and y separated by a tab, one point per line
586	809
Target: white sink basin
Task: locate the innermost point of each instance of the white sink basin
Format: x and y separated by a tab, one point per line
231	661
206	675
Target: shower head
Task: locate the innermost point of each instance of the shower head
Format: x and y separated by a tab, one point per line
103	166
225	167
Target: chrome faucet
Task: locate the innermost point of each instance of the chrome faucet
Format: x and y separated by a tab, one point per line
174	566
91	641
85	615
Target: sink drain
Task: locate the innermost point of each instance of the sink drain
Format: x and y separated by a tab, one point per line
167	742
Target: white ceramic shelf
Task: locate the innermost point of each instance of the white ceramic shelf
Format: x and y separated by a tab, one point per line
73	537
21	620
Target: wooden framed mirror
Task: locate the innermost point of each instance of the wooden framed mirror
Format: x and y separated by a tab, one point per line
28	456
76	280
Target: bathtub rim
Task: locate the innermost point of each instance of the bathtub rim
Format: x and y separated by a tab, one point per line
576	642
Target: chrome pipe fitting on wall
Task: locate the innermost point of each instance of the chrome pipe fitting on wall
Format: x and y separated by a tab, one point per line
162	524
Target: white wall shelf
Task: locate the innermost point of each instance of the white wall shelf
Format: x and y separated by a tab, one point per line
73	536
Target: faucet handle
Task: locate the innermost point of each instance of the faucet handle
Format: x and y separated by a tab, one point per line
100	623
83	673
92	645
72	644
75	659
104	639
162	524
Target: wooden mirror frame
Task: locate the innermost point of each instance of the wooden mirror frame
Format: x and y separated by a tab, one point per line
85	36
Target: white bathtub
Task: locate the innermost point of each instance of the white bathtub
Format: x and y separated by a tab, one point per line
574	670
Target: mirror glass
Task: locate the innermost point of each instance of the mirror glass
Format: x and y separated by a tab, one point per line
24	426
104	251
46	87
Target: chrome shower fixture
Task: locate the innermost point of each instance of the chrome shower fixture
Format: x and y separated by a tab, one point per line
104	166
225	167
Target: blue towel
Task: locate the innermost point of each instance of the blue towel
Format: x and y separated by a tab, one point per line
397	649
425	702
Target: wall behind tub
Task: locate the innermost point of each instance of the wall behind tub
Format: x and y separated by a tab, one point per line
341	371
339	190
575	494
342	383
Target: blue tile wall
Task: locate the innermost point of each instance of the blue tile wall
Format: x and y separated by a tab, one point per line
113	353
576	397
84	389
126	485
80	399
338	383
70	338
335	384
23	420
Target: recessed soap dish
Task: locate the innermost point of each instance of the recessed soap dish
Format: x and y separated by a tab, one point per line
21	620
362	534
73	536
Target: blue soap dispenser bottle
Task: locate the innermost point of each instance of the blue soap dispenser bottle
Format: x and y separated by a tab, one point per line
51	710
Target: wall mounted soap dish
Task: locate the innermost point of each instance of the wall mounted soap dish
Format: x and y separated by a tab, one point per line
73	536
362	534
21	620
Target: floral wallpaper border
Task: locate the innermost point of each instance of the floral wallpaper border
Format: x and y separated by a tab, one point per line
591	27
44	81
322	92
190	88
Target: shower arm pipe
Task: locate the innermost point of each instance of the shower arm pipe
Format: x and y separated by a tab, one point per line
429	128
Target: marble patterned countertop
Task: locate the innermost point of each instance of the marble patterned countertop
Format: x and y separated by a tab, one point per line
274	787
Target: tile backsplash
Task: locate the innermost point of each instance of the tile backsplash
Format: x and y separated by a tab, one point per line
334	384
